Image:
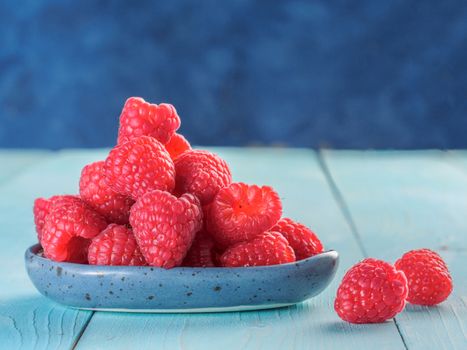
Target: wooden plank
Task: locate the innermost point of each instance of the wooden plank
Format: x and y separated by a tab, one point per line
457	159
402	201
28	320
306	197
14	161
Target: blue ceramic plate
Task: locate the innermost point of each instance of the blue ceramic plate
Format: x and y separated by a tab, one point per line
181	289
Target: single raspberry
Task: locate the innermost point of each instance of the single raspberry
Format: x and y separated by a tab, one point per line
372	291
165	226
304	242
140	118
68	230
239	212
139	166
268	248
177	145
95	191
202	252
429	280
201	173
42	208
116	245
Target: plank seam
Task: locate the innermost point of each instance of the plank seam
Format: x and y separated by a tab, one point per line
341	202
81	331
400	333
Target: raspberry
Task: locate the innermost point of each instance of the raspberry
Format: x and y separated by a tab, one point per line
140	118
165	226
428	277
177	145
303	241
68	230
239	212
372	291
116	245
268	248
139	166
201	173
41	210
202	252
94	190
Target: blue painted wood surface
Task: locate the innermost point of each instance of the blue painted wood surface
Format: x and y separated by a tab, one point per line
27	320
14	162
360	203
403	201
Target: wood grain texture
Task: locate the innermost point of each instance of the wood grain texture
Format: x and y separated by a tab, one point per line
401	201
306	197
28	320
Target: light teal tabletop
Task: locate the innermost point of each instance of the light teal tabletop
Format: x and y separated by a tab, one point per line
377	204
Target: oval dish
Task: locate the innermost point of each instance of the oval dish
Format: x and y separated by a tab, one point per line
181	289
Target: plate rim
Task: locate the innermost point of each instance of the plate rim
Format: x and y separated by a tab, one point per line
30	251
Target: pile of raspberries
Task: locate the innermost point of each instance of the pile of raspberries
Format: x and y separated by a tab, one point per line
156	201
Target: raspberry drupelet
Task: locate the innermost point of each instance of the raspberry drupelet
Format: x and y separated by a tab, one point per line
201	173
429	280
177	145
202	252
371	291
165	226
42	208
268	248
95	191
304	242
240	212
140	118
68	230
139	166
116	245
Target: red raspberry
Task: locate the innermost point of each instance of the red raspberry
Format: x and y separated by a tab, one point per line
139	166
41	210
140	118
201	173
372	291
68	230
116	245
202	252
239	212
165	226
428	277
177	145
303	241
94	190
268	248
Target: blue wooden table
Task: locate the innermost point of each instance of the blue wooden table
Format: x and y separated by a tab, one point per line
377	204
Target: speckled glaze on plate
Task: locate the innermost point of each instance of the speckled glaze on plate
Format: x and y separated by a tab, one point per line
181	289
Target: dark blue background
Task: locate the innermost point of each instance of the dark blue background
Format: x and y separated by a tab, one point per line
343	74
